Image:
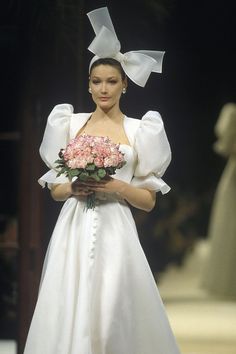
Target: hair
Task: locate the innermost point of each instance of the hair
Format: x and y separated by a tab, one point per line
109	61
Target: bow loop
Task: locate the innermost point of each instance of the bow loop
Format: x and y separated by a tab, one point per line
138	67
105	44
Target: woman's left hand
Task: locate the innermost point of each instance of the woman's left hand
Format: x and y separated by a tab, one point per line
138	197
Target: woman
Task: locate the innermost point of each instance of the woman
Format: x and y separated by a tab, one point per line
218	277
97	293
106	84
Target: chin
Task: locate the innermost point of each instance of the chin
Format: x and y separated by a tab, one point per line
105	106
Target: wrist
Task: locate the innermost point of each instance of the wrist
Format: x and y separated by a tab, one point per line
61	192
122	190
67	191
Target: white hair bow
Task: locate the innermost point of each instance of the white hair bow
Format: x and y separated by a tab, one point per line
137	64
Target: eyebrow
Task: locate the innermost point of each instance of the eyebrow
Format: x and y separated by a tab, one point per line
109	78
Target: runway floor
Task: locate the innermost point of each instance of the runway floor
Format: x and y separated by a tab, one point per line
201	324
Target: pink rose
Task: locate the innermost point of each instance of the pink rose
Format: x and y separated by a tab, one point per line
98	161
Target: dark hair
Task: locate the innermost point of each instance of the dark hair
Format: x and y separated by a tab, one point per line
109	61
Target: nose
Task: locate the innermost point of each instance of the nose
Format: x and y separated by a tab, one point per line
104	87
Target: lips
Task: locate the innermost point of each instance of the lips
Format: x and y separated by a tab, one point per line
104	98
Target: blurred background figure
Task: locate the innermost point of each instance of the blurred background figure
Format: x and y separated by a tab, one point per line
219	273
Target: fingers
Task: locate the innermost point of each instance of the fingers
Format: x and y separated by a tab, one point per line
87	187
89	184
94	185
79	189
85	193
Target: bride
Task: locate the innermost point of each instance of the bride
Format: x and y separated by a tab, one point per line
97	293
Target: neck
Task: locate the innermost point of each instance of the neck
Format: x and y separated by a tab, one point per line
112	114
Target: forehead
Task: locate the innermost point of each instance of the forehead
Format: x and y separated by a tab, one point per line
105	70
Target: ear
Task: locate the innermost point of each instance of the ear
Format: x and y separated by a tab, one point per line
89	87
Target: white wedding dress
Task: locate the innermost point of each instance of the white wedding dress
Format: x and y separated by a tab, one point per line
97	293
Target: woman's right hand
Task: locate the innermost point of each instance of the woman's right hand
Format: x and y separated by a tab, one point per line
80	188
63	191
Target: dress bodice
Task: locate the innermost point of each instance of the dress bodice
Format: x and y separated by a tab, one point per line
127	171
148	154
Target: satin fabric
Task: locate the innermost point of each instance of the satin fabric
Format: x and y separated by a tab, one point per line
97	293
147	137
137	64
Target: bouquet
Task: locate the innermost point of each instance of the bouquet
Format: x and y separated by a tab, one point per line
90	157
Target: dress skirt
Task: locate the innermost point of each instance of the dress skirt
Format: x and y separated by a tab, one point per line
97	293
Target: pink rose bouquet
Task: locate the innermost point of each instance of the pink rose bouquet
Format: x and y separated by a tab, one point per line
90	157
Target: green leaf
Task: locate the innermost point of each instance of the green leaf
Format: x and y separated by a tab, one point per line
101	173
63	170
95	177
74	172
69	174
90	167
60	161
83	176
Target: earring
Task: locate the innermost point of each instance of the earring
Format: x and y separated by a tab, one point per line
124	90
89	90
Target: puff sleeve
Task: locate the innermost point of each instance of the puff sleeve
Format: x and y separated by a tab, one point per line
154	154
56	136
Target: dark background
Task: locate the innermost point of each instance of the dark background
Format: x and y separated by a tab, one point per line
44	61
44	41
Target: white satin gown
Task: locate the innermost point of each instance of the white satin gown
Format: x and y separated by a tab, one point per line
97	293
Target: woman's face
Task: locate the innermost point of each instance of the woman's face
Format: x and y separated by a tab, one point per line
106	86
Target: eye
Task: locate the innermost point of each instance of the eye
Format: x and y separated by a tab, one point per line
113	82
95	82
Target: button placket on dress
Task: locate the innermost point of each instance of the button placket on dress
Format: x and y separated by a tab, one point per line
94	232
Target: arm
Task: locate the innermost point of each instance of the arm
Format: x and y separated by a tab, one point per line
137	197
61	192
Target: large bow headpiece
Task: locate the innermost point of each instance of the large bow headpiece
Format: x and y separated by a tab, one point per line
137	65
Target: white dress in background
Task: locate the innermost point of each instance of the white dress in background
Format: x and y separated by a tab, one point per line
219	276
97	292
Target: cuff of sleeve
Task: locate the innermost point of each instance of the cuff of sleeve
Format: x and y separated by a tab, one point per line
151	182
50	178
